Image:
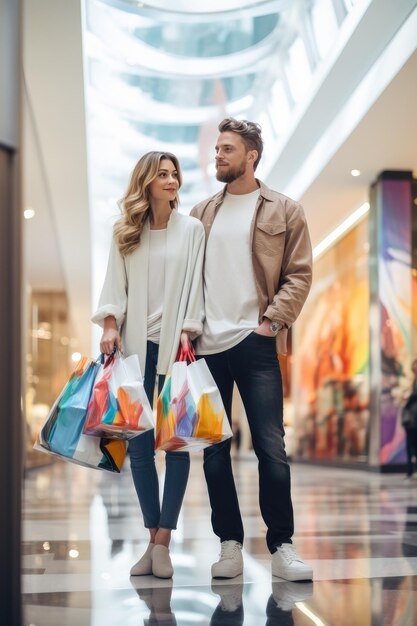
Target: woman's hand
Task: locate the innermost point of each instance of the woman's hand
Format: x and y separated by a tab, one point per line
186	344
109	339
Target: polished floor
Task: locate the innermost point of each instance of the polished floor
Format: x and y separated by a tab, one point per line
82	531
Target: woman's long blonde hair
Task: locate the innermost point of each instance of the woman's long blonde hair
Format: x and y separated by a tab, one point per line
135	204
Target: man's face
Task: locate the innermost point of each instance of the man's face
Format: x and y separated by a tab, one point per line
231	157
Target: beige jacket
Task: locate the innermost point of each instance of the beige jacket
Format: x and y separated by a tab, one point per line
281	253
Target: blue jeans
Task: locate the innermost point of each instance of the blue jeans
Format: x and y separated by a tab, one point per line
253	365
142	463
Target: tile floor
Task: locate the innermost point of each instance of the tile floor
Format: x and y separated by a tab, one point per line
82	531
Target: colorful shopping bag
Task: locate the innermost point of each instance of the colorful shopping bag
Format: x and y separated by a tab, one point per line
62	434
190	411
119	407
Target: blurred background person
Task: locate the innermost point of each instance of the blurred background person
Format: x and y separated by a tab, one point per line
409	422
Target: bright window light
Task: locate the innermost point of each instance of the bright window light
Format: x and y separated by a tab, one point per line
298	69
349	4
340	230
324	25
279	108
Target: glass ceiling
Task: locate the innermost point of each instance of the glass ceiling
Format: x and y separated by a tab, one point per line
161	75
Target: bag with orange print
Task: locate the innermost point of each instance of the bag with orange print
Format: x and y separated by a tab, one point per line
190	411
119	407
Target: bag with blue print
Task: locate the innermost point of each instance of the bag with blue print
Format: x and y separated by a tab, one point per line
62	434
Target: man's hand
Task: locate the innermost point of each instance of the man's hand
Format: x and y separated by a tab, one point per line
263	329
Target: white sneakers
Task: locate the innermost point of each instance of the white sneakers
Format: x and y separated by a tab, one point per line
230	563
155	560
287	564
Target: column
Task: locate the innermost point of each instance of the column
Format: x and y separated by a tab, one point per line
392	312
11	440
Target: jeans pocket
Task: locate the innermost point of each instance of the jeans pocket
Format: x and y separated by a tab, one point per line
264	336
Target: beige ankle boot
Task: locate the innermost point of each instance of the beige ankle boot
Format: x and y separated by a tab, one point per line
161	562
144	566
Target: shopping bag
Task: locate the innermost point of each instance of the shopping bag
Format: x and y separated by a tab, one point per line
119	407
62	434
190	411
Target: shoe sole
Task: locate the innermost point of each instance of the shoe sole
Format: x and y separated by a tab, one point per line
163	577
294	578
226	576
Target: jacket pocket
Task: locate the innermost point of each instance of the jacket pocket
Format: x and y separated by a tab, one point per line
270	238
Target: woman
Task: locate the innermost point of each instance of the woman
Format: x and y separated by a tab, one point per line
151	302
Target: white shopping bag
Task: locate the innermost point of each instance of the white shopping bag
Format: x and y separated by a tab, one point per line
119	407
190	411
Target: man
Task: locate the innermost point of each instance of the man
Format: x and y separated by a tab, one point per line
257	276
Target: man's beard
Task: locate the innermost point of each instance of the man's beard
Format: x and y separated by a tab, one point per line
228	176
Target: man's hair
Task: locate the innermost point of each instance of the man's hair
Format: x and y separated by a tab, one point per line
249	131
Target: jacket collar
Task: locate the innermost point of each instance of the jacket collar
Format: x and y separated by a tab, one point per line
264	191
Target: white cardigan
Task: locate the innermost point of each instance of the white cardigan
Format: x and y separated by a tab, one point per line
125	290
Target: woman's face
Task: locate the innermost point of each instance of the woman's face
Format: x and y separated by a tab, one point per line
165	185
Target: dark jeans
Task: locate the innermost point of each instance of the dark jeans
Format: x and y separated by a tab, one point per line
411	448
142	463
254	366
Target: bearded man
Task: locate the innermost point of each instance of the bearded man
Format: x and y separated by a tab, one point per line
257	275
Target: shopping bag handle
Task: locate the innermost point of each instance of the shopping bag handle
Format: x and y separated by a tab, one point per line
185	354
106	359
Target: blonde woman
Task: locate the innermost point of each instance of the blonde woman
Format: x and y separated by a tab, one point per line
151	302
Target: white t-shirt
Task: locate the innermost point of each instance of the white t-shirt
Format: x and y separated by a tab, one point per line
231	299
156	282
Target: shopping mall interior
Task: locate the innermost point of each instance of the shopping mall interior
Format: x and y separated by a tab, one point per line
87	87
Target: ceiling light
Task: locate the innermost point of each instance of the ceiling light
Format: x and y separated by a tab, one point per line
28	213
76	356
74	554
340	230
355	172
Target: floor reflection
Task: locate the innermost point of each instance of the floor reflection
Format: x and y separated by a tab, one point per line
170	607
82	532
